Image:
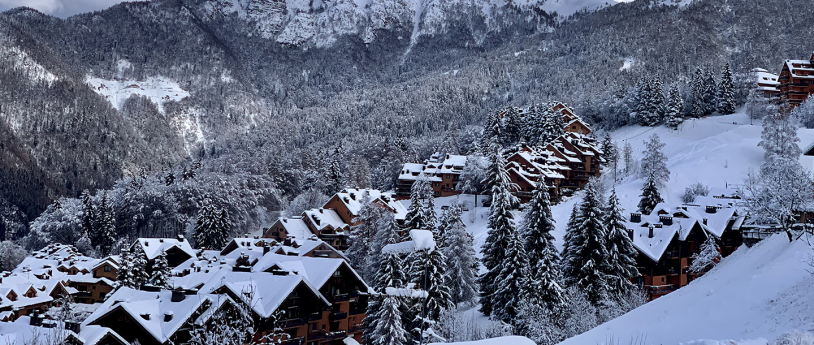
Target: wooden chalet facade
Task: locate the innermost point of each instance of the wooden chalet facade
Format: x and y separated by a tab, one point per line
796	81
443	173
565	164
332	223
668	237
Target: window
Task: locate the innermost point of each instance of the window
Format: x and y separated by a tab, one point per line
337	274
93	287
107	268
314	326
102	295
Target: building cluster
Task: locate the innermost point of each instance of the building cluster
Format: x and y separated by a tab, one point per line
333	221
564	164
667	238
794	84
300	291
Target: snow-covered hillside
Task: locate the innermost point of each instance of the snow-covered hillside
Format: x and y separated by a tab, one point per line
756	294
716	151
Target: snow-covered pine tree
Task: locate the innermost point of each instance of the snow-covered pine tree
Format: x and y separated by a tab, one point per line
415	218
431	217
543	284
511	288
497	166
139	269
630	161
707	257
553	127
585	256
512	126
710	92
462	265
449	217
335	175
432	279
726	92
654	162
204	225
125	276
222	231
621	253
673	116
609	150
387	233
89	218
388	329
533	127
106	226
656	103
699	107
368	222
161	271
390	274
501	228
493	130
650	197
645	107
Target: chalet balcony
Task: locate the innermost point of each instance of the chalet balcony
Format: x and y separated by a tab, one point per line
353	294
341	297
357	311
295	322
339	315
83	294
314	316
293	341
659	289
356	328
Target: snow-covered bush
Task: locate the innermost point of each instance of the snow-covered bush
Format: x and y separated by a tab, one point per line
11	255
694	190
805	113
795	338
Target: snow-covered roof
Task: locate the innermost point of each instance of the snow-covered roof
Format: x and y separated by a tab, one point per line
805	65
295	227
20	332
352	199
248	244
323	218
148	309
263	292
713	216
152	246
434	167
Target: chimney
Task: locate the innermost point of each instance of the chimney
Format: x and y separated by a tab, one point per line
161	240
266	249
650	232
177	296
353	196
320	211
181	238
705	221
635	217
73	326
712	209
36	320
666	220
630	233
168	316
146	243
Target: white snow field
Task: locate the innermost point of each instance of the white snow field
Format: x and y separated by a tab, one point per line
757	293
157	89
511	340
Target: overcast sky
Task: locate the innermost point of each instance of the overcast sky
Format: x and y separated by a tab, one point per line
60	8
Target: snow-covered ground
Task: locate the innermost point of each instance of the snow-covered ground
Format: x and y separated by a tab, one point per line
157	89
513	340
757	293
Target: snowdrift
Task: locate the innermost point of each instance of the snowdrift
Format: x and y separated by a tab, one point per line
756	293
